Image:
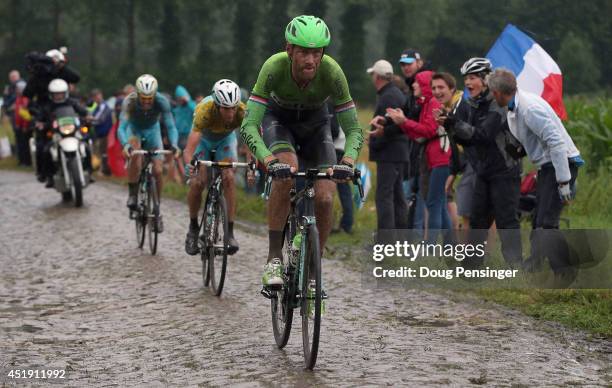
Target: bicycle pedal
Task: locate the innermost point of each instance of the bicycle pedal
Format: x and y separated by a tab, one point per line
268	293
323	295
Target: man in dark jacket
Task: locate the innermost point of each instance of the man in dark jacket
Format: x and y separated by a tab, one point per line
58	98
9	95
390	150
411	63
43	69
480	125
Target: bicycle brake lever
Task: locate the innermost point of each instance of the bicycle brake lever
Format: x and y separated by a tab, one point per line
357	182
267	188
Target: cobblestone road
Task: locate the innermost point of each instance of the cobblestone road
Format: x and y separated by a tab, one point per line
76	294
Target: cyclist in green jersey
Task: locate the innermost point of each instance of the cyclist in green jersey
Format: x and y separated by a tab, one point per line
289	103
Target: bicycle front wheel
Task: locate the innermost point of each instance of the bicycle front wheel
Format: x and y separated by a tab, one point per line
202	245
153	205
142	215
282	300
217	252
311	298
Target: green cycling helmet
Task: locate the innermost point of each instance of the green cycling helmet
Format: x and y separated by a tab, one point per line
308	31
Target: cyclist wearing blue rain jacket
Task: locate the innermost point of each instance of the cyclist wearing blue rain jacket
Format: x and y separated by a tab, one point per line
183	114
139	128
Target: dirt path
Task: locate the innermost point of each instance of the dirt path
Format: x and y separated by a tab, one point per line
76	294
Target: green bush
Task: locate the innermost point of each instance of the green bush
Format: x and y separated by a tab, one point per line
590	125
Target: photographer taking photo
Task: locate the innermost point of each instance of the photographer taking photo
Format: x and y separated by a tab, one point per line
43	69
480	125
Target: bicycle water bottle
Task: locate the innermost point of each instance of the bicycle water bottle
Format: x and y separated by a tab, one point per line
297	242
209	215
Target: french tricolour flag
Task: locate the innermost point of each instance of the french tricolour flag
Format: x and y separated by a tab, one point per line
535	70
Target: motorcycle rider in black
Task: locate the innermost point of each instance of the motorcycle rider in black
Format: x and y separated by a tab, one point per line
59	97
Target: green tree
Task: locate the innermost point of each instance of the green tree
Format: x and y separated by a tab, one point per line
352	49
245	28
274	33
579	66
170	49
397	32
317	8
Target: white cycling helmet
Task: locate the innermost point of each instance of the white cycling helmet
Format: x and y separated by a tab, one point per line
146	85
56	54
58	85
476	66
226	93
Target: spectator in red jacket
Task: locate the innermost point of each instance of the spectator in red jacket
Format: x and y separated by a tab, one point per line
22	119
437	151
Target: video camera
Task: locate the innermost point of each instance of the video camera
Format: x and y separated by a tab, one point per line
38	63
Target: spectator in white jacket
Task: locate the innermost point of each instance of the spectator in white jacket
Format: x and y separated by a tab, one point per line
547	144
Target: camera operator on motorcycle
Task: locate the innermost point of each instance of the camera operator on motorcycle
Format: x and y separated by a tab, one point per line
43	69
58	97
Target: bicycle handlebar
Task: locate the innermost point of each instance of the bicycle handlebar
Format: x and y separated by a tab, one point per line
209	163
356	179
154	152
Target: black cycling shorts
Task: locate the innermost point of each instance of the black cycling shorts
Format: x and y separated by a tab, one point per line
305	133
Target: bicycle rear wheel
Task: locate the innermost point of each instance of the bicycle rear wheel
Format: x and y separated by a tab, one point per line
153	205
281	302
311	298
217	253
142	215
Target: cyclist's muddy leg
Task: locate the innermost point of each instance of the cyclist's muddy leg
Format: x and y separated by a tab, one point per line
324	191
278	207
229	191
194	196
135	162
158	167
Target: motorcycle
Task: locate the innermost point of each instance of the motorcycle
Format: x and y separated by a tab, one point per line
70	150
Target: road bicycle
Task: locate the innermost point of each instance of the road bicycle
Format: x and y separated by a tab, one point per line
147	211
302	283
213	240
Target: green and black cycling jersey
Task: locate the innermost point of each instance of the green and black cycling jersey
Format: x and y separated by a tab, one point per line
276	86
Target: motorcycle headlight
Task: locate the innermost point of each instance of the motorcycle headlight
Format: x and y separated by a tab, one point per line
67	129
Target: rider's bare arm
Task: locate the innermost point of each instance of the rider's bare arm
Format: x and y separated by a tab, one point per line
192	142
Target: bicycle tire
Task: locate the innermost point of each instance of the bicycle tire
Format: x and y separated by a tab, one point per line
141	215
217	279
77	186
202	245
153	205
281	303
311	319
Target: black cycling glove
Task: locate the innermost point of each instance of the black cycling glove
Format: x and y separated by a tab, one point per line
342	171
279	170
